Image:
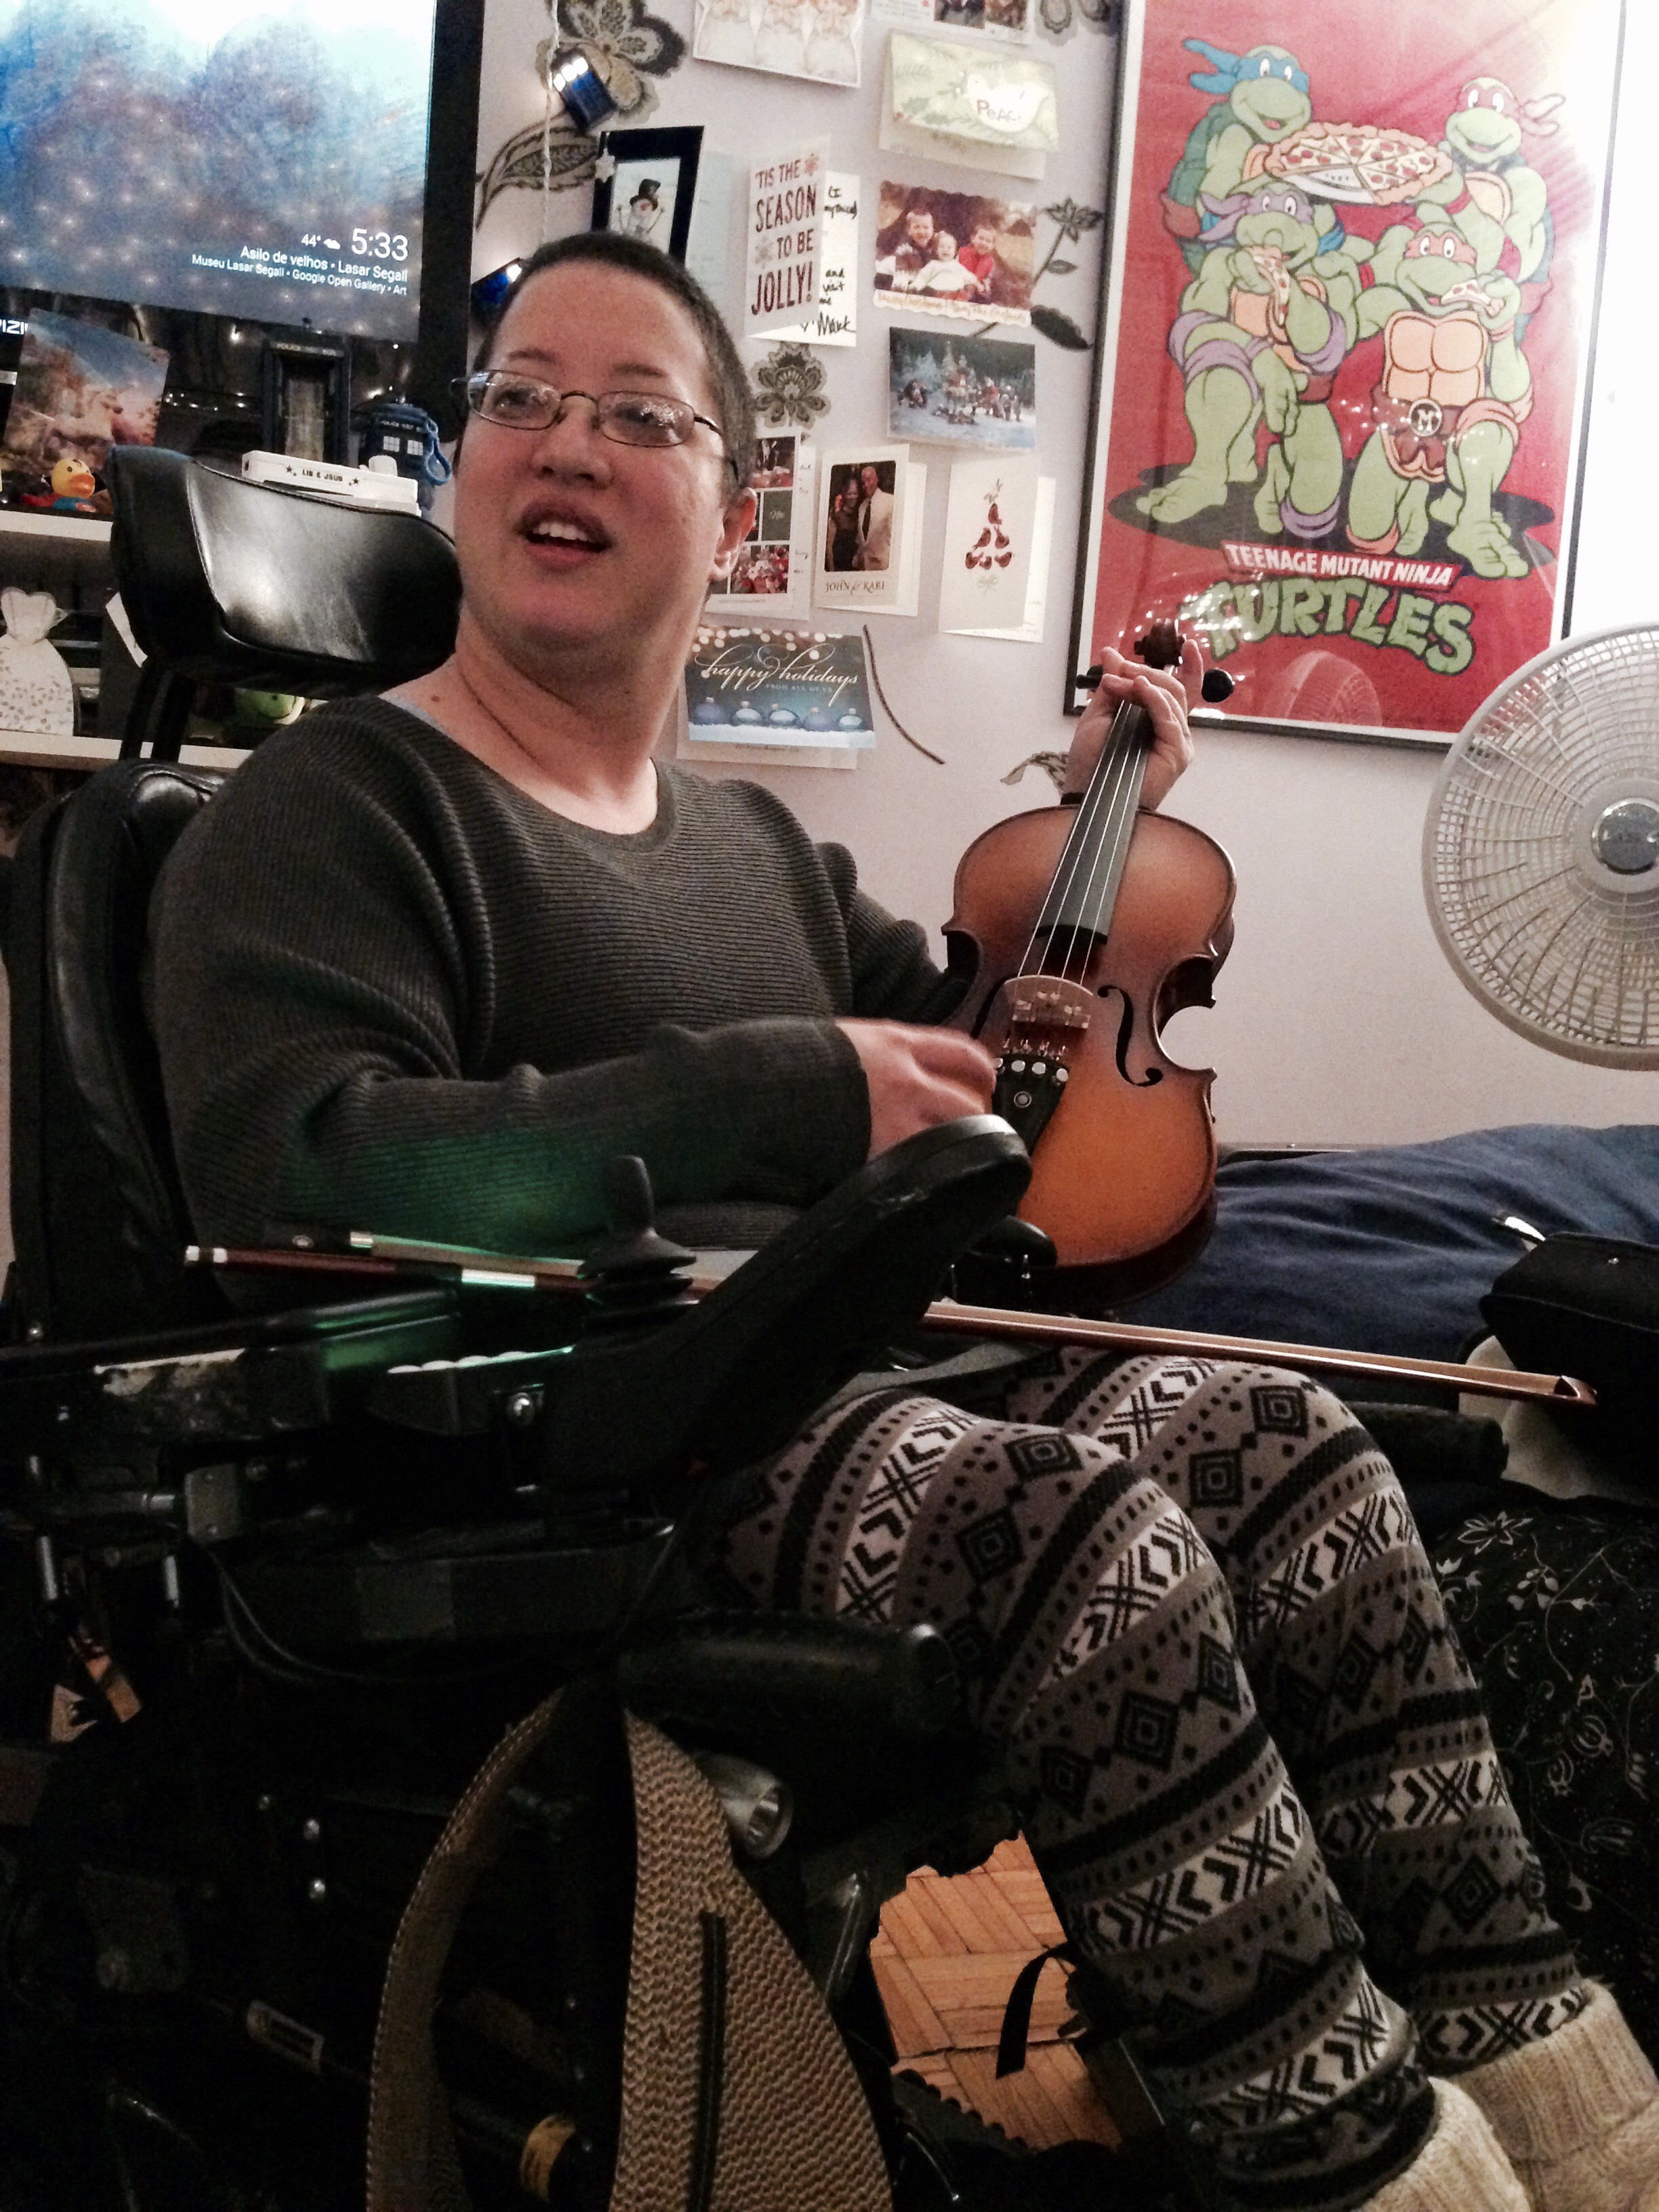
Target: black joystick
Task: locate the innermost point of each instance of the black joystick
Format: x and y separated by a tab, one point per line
634	1274
1003	1267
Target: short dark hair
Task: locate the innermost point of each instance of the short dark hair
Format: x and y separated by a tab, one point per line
734	405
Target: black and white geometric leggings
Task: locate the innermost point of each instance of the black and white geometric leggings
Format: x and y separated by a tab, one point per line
1191	1603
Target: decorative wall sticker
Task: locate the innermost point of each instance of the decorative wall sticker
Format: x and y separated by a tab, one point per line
628	46
1052	765
789	387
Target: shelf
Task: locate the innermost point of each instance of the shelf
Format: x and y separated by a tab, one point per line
57	553
28	749
66	529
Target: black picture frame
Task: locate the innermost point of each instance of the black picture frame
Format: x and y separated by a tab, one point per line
676	153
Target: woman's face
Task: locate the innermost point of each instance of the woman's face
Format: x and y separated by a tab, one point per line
569	543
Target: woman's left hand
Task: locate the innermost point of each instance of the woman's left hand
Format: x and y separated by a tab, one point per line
1164	693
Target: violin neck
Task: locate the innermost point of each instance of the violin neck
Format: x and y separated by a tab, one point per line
1080	899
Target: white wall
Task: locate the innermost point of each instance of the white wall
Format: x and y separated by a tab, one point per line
1337	1016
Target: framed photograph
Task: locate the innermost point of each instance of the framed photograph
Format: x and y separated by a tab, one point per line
962	391
864	522
647	185
305	396
962	254
1350	286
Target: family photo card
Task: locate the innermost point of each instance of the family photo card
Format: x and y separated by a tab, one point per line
957	254
1001	21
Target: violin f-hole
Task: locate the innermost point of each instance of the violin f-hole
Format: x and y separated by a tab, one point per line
1126	1029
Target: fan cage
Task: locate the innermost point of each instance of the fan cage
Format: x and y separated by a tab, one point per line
1547	938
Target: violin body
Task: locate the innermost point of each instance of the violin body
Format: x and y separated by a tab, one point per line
1121	1139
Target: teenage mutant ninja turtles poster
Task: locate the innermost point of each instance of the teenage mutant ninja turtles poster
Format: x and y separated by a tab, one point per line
1361	246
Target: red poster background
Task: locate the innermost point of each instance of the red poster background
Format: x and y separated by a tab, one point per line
1404	66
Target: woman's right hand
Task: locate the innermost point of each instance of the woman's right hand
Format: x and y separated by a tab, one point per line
918	1077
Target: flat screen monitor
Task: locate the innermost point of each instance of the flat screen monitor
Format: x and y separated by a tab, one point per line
256	158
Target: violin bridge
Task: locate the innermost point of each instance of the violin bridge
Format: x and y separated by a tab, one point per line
1035	1026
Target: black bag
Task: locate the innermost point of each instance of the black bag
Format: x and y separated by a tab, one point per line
1589	1306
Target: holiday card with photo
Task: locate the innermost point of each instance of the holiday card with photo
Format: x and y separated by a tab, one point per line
989	527
772	576
959	253
962	391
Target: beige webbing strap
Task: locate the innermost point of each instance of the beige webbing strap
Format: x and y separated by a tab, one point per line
412	2165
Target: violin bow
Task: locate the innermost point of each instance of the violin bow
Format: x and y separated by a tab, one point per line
386	1259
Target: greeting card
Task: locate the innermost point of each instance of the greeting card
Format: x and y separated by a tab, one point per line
989	526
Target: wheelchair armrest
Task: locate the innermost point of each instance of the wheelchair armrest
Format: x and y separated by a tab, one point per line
733	1673
733	1378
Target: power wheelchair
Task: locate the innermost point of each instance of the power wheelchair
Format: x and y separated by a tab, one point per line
273	1582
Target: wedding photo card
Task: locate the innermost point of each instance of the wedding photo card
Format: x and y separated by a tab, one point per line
865	520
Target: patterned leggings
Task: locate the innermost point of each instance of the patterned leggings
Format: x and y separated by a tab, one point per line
1190	1602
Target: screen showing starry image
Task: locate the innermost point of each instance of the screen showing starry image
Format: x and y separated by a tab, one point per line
263	158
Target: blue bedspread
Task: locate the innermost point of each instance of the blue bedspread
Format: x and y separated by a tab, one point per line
1392	1249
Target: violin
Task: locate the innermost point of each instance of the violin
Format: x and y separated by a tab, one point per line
1083	927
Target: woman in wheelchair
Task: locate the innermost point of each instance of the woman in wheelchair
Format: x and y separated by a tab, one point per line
432	959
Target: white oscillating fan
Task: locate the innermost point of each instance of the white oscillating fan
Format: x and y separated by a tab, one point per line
1540	853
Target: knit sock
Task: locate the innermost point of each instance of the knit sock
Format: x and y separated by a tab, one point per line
1578	2113
1460	2168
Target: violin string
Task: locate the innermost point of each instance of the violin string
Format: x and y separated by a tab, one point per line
1100	805
1078	844
1106	840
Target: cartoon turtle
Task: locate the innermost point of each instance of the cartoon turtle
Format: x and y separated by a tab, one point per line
1449	406
1264	97
1262	330
1495	197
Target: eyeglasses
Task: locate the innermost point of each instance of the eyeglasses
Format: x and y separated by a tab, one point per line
628	418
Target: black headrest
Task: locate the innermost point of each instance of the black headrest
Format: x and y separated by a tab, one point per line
230	582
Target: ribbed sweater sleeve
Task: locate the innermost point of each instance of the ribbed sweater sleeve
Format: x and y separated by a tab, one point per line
393	991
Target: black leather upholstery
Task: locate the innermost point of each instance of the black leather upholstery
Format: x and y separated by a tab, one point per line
228	582
98	1217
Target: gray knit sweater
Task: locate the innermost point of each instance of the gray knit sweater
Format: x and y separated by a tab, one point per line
393	992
